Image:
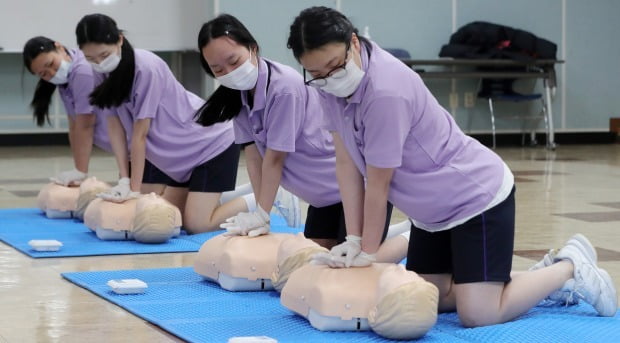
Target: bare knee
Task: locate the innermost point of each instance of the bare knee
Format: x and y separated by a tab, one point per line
197	224
473	319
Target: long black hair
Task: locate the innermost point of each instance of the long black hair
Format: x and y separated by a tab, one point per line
43	92
101	29
316	26
225	103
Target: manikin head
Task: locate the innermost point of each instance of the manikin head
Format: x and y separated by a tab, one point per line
406	305
293	253
156	219
89	189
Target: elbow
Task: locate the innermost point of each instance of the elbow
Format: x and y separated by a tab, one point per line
138	142
87	122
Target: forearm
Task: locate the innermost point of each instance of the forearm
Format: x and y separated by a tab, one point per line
253	162
351	184
375	211
116	133
81	139
375	207
138	156
271	174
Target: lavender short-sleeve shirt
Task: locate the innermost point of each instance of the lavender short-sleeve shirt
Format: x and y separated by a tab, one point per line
287	116
175	144
393	121
75	96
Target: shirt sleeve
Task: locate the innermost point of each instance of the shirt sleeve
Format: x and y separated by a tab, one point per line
241	128
147	93
327	110
283	120
386	122
82	85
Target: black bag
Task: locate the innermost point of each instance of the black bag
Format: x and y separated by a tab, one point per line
487	40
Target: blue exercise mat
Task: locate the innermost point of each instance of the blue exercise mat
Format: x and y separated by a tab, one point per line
18	226
182	303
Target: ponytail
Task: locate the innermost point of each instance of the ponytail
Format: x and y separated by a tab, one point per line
224	104
41	100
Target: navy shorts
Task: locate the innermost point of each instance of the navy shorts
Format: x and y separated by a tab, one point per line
479	250
217	175
328	222
153	175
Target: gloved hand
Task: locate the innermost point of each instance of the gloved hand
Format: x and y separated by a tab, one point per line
69	177
249	224
325	258
119	193
347	250
363	260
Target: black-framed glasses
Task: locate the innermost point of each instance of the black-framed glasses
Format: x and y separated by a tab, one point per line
336	73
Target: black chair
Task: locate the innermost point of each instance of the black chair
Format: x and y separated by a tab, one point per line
501	90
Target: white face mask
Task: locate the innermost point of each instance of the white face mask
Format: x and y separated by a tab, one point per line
243	78
344	82
108	64
62	74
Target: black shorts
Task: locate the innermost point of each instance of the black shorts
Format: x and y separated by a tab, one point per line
478	250
328	222
153	175
217	175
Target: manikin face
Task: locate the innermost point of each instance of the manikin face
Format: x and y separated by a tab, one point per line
150	199
292	245
97	52
46	64
224	55
393	277
329	58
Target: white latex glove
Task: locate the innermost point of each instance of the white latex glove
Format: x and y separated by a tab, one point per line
347	250
363	260
249	224
69	177
119	193
325	258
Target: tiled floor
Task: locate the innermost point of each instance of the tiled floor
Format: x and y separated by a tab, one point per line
574	189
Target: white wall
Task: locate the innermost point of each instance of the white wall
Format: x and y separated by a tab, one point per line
149	24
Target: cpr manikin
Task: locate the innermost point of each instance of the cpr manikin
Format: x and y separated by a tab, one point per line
156	220
89	189
294	252
58	201
148	219
240	263
384	297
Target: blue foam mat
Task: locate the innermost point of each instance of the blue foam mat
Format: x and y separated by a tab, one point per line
182	303
18	226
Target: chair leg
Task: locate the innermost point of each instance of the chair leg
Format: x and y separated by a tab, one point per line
492	120
544	112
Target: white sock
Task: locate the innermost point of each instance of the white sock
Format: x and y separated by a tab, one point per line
406	235
397	229
239	191
250	201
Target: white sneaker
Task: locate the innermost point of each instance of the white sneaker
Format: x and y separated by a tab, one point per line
562	296
546	261
565	294
288	205
590	283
